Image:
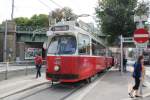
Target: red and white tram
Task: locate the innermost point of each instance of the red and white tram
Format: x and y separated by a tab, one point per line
74	54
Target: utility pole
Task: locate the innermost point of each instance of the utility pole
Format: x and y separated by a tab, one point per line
121	49
12	13
5	42
50	19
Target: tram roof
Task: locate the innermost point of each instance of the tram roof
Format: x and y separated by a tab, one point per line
74	26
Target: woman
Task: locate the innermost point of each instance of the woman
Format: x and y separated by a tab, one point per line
137	76
38	64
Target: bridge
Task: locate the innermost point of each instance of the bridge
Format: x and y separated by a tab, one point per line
20	38
31	34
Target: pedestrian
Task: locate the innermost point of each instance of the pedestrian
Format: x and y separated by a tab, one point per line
38	64
137	75
116	62
124	64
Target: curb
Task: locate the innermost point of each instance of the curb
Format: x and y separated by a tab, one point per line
24	89
144	96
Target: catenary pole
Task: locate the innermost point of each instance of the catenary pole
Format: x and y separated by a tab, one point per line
12	12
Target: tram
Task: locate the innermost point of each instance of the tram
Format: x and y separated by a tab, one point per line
74	54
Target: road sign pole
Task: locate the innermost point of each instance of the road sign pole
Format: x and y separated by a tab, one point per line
121	48
5	43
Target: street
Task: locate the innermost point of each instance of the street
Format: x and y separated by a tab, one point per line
71	91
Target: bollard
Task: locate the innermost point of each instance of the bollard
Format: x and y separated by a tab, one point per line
141	87
6	71
26	73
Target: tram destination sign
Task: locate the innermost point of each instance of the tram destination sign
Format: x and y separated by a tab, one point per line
60	28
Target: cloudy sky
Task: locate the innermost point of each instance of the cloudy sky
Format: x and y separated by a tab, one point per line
27	8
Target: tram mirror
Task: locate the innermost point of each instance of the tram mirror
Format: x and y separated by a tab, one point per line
45	45
49	33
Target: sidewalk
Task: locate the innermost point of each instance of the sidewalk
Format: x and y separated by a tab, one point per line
15	85
112	86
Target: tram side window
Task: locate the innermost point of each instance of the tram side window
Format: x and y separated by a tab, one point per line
84	44
94	45
103	51
97	49
109	53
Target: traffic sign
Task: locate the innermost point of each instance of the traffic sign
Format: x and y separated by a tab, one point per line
141	45
141	35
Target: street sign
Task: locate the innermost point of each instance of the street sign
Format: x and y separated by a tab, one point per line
141	35
141	45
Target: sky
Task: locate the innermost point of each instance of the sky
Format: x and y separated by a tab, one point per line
27	8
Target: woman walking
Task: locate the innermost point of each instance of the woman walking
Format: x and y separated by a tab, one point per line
137	76
38	64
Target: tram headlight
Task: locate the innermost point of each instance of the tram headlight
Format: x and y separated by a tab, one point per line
56	68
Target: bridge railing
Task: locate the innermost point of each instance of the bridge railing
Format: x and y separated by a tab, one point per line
10	70
27	28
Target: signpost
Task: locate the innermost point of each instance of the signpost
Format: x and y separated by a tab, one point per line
141	38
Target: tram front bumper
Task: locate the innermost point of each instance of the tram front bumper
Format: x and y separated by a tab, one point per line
62	76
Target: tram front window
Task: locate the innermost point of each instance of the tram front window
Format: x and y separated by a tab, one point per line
62	45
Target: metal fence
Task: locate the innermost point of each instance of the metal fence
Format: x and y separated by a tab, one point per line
10	70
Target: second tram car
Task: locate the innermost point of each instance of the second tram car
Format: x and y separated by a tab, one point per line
74	54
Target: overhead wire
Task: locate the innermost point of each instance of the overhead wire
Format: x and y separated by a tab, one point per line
44	4
56	4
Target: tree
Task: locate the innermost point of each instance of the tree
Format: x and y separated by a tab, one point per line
142	9
116	17
57	14
68	14
39	20
64	13
36	20
21	21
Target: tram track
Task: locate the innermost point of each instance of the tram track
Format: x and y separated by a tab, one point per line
63	90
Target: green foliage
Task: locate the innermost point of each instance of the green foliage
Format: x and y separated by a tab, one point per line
22	21
36	20
116	17
41	20
142	9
